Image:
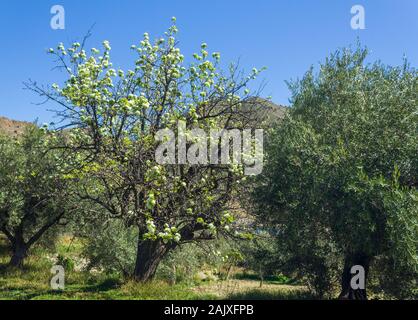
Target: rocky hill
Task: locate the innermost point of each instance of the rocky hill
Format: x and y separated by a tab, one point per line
12	127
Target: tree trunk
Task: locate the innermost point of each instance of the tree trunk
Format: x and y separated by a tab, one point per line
149	255
20	250
347	292
228	272
173	277
261	273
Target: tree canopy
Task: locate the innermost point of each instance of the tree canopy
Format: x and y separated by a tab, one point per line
115	118
35	194
341	183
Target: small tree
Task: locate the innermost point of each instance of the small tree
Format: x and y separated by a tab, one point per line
342	176
260	254
115	117
34	194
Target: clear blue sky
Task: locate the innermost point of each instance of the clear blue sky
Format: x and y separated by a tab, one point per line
287	36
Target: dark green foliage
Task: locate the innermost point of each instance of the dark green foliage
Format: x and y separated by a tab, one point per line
341	179
35	195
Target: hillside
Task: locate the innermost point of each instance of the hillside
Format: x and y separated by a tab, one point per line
272	112
12	127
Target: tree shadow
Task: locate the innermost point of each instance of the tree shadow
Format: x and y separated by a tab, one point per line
103	286
257	294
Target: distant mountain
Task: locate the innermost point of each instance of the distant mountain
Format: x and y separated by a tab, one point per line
12	127
265	110
272	112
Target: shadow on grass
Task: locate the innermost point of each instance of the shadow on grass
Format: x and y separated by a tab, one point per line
273	279
269	295
103	286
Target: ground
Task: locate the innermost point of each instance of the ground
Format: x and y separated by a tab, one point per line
33	282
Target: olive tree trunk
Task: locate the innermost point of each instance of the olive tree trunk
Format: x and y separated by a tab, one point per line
19	253
347	291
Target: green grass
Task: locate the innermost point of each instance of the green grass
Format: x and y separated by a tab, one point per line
33	282
273	279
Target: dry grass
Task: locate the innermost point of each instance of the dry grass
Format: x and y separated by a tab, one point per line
243	289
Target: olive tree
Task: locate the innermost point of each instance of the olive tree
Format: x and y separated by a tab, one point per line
341	180
115	119
34	190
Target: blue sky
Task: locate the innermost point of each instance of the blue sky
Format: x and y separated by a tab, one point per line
287	36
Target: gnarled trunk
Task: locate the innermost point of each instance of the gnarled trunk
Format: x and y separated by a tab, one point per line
347	292
19	253
149	255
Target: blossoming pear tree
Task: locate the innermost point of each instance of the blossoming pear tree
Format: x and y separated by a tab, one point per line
113	116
